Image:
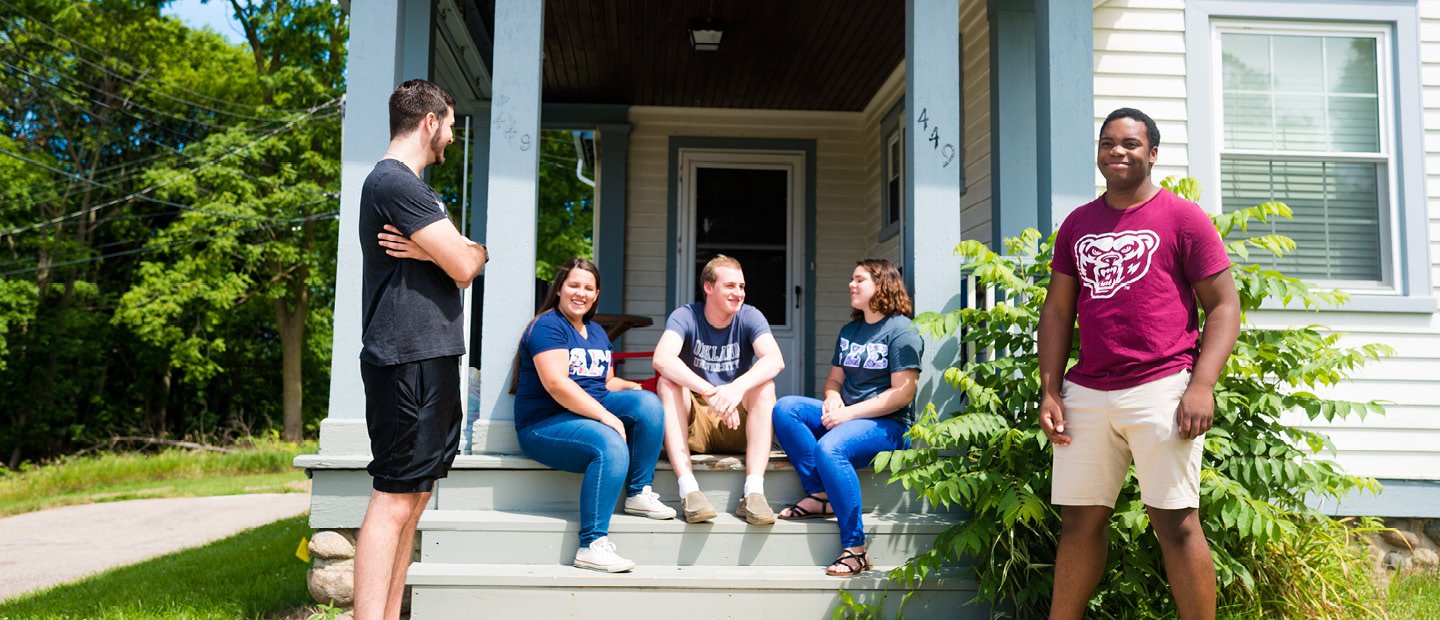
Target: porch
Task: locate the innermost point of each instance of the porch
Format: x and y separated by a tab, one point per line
900	128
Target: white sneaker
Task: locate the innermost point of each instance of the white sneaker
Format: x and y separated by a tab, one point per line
647	504
600	555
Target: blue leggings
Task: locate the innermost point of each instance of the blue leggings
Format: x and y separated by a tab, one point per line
574	443
826	459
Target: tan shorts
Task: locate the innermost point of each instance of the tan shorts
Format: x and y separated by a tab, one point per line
1108	428
708	435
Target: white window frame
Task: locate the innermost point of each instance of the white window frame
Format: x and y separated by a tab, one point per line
892	134
1388	220
1411	287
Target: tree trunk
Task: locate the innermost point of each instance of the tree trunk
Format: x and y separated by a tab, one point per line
292	347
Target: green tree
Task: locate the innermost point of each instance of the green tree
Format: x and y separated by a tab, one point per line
566	206
94	93
267	213
1259	474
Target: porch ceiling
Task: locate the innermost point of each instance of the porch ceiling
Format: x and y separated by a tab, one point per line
811	55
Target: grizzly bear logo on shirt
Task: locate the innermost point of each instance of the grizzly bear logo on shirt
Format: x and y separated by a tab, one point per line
1109	262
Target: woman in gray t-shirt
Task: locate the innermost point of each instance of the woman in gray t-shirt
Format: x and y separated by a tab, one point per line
867	407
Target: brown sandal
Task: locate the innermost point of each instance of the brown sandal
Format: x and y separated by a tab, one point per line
853	563
796	512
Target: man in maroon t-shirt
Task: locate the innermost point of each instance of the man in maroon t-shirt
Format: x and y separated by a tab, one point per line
1131	264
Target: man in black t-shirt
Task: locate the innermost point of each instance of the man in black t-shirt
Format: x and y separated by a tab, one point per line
415	263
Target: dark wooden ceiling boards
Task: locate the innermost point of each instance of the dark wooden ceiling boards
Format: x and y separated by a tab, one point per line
776	54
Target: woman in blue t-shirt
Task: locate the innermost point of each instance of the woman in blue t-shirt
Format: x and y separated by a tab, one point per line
573	414
866	411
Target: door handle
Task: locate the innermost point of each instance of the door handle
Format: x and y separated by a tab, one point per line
797	297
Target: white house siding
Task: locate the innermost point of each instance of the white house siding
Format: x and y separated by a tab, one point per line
839	209
975	93
1140	62
889	94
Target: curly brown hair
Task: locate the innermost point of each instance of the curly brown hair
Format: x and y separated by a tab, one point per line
890	295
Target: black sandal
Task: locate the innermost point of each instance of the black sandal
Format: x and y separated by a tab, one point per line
797	513
854	563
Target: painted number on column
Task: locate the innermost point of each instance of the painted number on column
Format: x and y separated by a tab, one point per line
946	150
505	124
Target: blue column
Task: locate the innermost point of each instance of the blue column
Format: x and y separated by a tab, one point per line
514	173
613	142
1013	159
933	160
376	56
1064	79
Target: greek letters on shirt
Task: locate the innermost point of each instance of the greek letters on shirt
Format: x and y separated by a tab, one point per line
875	355
589	362
713	358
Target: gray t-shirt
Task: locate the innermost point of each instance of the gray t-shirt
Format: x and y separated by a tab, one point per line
717	355
869	352
411	310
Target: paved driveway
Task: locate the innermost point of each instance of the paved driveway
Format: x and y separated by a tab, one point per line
60	545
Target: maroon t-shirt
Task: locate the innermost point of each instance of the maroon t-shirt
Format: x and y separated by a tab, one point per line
1136	270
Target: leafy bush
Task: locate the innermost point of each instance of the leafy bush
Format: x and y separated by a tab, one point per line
992	460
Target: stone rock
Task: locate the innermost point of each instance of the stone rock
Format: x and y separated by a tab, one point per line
1401	539
331	545
1395	560
1432	530
334	584
1425	557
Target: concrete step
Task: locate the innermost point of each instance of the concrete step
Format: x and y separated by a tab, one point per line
517	484
721	479
553	591
460	536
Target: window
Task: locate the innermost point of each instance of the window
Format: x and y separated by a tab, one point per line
1304	120
892	177
1344	148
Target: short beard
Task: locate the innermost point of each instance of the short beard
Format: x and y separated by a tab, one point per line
437	149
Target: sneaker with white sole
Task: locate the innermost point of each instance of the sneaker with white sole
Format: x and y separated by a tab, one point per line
600	555
647	504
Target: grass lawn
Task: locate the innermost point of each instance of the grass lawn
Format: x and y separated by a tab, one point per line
1415	595
259	466
253	574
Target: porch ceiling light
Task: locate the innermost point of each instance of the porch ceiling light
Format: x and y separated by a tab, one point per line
706	37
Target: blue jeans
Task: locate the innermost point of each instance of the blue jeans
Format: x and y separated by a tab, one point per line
826	459
574	443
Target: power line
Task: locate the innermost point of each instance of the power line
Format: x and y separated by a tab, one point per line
117	60
172	179
93	259
185	207
269	123
140	137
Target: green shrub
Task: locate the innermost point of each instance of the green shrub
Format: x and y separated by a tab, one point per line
1260	476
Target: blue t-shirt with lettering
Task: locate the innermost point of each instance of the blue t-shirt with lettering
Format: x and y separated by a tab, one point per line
589	364
717	355
869	352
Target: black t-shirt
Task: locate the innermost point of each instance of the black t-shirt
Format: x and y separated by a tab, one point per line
411	310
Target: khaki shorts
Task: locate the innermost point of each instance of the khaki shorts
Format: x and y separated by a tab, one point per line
708	435
1108	428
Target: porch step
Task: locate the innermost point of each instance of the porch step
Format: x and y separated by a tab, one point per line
526	486
459	536
517	484
440	590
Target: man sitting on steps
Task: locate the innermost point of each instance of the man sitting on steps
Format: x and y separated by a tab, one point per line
715	398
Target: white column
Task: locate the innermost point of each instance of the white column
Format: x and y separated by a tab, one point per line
375	61
933	159
510	222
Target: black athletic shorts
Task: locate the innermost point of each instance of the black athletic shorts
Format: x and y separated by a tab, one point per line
413	412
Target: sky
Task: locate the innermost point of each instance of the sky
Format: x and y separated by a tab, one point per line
214	15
